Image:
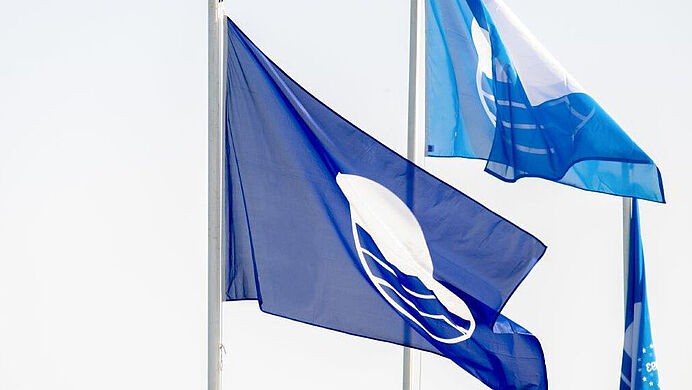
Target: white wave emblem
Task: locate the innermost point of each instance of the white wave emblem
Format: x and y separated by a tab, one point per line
481	42
399	238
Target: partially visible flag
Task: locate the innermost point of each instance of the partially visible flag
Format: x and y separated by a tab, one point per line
329	227
639	369
494	93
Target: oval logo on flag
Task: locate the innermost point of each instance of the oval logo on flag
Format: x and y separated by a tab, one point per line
395	257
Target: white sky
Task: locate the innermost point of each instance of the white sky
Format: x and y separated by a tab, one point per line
103	192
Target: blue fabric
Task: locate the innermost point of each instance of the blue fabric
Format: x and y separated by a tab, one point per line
569	139
291	242
639	369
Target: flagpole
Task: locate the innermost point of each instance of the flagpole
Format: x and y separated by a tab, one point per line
415	153
626	225
215	115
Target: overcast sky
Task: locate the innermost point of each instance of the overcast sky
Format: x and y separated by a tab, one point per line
103	144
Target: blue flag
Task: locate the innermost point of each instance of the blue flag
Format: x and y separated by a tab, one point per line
494	93
639	370
329	227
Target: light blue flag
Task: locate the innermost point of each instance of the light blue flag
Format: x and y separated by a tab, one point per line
639	369
494	93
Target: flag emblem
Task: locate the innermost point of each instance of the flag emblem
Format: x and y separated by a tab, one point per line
395	257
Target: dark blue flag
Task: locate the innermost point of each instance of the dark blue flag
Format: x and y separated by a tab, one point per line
494	93
329	227
639	369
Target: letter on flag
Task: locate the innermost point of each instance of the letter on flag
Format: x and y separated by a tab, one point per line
639	370
329	227
494	93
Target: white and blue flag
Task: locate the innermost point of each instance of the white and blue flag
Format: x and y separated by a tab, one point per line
494	93
329	227
639	369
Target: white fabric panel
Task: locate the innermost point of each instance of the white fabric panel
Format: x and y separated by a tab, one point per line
542	76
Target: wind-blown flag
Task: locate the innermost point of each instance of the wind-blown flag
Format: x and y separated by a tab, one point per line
329	227
494	93
639	370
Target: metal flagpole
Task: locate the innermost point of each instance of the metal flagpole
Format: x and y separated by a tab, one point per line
415	153
626	229
215	112
626	220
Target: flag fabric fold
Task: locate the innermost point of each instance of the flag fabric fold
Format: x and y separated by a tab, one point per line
327	226
639	369
494	93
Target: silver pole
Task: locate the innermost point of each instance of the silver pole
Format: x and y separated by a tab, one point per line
412	363
412	357
412	82
626	224
214	194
